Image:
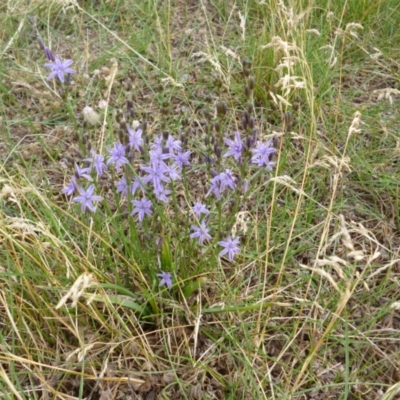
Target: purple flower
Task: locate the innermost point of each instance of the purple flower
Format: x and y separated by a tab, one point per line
200	232
166	279
199	208
220	182
122	186
142	208
236	147
117	154
135	138
215	187
173	144
137	184
82	172
157	155
261	154
155	174
182	159
161	194
227	179
59	68
230	247
71	188
97	161
157	144
86	198
173	173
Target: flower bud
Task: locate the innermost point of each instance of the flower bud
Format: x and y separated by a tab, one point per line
247	91
245	62
251	82
222	108
244	122
286	118
249	142
49	55
246	72
251	123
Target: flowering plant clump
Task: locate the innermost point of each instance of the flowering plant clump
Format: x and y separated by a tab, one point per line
147	174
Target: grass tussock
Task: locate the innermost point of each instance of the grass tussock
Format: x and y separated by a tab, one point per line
306	306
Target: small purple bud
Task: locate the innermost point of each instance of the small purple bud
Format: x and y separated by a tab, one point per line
165	135
41	44
252	82
251	123
78	153
246	62
247	91
244	122
213	140
287	119
217	126
49	55
68	79
165	150
218	151
249	142
250	108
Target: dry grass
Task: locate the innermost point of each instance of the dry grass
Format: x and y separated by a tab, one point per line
310	309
